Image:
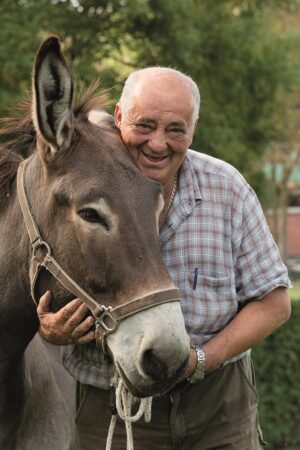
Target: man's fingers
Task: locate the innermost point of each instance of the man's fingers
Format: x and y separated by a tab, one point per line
68	325
83	327
67	311
78	316
89	337
44	303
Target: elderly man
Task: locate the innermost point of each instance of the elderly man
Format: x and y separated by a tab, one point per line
219	252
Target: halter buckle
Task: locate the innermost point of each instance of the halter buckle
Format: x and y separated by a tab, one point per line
102	320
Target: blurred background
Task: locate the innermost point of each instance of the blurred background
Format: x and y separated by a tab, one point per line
245	57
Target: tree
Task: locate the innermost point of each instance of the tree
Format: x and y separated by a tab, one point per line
232	52
228	47
282	160
282	157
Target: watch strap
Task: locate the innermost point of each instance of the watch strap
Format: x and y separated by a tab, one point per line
199	373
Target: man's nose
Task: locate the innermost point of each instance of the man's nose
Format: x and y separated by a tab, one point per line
157	141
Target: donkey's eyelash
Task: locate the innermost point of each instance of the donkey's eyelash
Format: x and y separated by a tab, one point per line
91	215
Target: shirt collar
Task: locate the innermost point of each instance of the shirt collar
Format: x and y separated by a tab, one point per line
188	186
187	197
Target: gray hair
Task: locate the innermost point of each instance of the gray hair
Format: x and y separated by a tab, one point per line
128	92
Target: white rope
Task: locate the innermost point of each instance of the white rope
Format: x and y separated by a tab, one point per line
111	432
124	402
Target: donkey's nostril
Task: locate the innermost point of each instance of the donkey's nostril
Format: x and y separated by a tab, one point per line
153	365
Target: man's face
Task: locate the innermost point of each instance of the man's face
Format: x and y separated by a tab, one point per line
157	129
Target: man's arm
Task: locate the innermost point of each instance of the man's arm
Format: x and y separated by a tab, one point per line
257	320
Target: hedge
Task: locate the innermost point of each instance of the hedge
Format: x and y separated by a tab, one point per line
277	367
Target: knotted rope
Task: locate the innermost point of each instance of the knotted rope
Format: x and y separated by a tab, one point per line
124	402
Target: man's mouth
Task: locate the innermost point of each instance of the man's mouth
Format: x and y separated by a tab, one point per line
154	158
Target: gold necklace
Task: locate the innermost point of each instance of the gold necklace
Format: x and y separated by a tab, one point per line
174	189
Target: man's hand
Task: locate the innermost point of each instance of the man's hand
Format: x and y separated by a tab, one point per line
68	326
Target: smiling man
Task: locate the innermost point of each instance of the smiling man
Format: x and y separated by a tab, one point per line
219	252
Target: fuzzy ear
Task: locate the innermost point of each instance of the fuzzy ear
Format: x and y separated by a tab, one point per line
52	98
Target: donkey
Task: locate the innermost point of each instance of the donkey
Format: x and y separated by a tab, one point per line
99	215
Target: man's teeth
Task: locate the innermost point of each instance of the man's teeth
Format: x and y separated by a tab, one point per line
155	158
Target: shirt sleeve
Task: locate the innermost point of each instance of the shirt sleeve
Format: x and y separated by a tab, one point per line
258	265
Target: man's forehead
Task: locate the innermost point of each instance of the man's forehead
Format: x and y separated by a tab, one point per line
147	118
149	106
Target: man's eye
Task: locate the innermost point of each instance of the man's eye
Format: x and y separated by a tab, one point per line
177	130
91	215
143	125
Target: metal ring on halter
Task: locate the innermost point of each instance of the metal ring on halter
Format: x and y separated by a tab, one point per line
38	245
101	320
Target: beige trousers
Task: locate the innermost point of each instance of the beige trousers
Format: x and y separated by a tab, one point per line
218	413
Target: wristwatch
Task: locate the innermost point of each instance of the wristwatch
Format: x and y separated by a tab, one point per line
199	373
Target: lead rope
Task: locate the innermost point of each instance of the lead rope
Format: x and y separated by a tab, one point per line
124	401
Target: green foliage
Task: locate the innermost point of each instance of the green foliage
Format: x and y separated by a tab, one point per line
277	362
240	63
229	47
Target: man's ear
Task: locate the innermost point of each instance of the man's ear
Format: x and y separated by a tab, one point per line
118	115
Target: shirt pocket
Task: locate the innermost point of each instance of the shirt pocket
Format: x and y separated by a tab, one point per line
211	302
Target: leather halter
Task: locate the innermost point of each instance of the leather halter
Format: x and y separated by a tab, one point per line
107	318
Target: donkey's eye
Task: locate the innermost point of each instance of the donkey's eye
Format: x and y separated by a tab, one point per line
91	215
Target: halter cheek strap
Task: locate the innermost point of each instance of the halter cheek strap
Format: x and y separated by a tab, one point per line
107	319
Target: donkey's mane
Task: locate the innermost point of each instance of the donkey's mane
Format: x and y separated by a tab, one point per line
9	162
18	135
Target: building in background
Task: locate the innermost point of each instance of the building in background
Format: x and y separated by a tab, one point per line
284	216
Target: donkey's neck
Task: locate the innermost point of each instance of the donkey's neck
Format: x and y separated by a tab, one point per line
12	399
18	318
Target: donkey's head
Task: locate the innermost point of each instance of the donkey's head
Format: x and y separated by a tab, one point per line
99	215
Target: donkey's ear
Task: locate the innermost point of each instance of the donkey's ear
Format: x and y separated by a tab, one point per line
52	98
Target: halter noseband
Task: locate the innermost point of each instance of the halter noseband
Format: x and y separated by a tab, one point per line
107	319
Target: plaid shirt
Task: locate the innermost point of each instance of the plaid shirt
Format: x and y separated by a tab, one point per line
219	252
